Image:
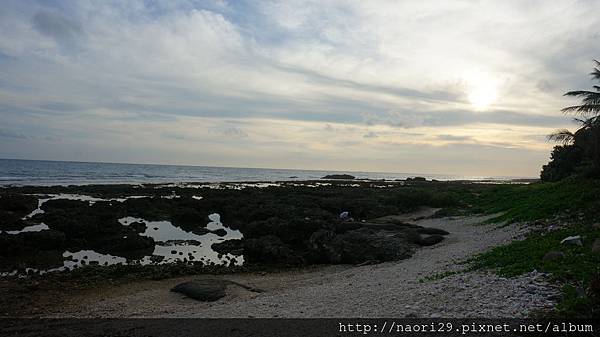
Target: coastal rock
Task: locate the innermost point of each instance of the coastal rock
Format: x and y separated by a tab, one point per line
339	177
430	240
18	204
416	179
202	290
13	207
234	247
269	249
12	244
358	246
220	232
553	255
179	243
431	231
131	246
572	240
138	226
276	222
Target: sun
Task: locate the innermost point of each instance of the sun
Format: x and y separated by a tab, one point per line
481	91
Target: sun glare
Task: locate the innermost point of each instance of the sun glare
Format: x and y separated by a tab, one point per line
481	91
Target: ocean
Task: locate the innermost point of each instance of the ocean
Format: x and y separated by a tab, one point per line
43	172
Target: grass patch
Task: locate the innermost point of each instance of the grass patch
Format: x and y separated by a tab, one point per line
539	200
576	201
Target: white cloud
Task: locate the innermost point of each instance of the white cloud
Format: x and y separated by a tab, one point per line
363	69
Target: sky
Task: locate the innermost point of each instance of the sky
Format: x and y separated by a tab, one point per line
449	87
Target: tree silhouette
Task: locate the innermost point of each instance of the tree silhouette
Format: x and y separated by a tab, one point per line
587	137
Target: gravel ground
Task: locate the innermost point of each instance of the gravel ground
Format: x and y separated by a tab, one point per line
393	289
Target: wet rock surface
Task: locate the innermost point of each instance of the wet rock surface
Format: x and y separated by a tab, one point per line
284	226
202	290
13	208
208	290
339	176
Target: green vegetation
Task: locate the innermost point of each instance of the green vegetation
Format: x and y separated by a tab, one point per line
539	201
571	207
580	152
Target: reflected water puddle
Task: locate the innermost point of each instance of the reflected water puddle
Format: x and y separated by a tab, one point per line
33	228
173	244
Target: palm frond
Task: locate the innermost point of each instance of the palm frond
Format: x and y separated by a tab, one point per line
595	74
584	109
562	136
578	93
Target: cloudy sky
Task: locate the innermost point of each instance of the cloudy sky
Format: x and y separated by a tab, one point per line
451	87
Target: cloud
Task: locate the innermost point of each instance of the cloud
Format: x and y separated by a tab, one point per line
65	31
11	134
454	138
334	73
234	132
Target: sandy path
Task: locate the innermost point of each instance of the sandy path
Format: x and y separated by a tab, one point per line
393	289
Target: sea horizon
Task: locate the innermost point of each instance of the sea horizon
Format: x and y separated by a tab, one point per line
36	172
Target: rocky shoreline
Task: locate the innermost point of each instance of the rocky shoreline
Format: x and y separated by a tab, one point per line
274	225
434	282
312	249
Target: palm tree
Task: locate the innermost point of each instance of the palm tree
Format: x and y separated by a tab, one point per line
587	136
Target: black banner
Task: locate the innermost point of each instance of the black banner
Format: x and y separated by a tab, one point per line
295	327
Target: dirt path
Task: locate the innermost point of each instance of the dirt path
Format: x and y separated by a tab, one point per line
393	289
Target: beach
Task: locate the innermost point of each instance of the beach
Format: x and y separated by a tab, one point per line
398	251
407	288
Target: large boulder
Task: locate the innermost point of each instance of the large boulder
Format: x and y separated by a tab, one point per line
358	246
429	240
431	231
572	240
202	290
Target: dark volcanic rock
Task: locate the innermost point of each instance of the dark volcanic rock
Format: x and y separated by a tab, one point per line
429	230
13	207
27	242
357	246
269	249
339	176
131	246
198	231
219	232
11	222
179	243
288	225
202	290
138	226
234	247
430	240
19	204
41	260
96	227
